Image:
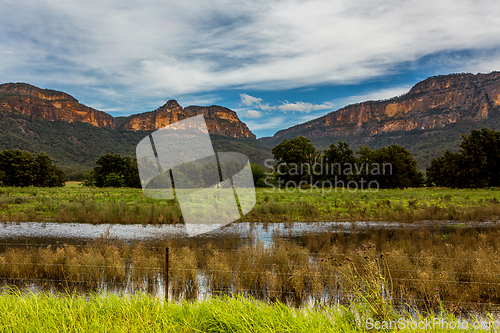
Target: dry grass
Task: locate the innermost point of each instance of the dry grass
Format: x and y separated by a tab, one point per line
454	266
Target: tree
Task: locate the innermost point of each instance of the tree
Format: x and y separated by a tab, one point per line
336	160
390	167
113	170
295	158
46	173
443	170
20	168
259	175
476	164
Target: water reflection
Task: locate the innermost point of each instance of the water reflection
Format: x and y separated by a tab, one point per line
222	261
76	233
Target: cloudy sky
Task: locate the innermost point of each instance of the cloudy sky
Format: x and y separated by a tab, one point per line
276	63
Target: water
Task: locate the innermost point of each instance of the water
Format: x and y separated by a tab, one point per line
32	233
74	233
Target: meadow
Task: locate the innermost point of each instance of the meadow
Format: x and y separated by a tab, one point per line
75	203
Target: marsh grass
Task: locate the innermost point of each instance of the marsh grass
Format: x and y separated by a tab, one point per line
125	205
456	266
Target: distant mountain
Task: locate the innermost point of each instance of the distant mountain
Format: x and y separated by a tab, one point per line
55	105
427	120
75	135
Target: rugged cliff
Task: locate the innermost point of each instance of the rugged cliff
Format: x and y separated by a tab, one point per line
55	105
220	121
50	105
75	135
431	104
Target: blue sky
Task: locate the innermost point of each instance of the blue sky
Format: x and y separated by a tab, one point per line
276	63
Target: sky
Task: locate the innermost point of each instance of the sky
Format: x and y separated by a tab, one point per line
276	63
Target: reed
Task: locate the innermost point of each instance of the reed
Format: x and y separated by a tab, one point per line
453	266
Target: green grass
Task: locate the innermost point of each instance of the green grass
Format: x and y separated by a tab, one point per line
142	313
74	203
384	205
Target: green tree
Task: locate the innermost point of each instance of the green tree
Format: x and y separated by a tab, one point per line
337	160
443	170
390	167
115	170
476	164
294	158
259	175
20	168
46	173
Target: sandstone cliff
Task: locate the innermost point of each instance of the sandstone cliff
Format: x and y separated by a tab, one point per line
433	103
50	105
219	120
54	105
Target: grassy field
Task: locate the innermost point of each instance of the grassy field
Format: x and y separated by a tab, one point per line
75	203
142	313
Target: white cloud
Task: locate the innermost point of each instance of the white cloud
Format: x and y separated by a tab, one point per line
269	123
253	114
165	48
250	100
304	107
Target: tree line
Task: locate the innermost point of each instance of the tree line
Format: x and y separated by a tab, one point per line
298	163
476	164
20	168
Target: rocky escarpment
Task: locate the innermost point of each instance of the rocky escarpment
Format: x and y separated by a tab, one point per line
433	103
50	105
55	105
219	120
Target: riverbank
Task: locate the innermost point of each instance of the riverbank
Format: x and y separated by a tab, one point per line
130	206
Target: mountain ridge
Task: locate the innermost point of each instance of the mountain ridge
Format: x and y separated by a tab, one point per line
428	119
54	105
435	102
75	135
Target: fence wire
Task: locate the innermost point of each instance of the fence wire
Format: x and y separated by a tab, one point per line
180	268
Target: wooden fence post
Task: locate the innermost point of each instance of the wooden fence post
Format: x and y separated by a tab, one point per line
166	273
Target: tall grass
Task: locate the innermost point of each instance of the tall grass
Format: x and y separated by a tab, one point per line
142	313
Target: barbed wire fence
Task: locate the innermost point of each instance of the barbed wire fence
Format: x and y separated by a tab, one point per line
176	273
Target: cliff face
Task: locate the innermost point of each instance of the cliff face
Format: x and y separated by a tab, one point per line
219	120
433	103
54	105
50	105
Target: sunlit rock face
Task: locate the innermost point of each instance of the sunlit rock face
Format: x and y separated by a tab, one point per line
55	105
219	120
50	105
432	103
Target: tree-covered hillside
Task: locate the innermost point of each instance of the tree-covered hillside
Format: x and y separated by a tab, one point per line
76	146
